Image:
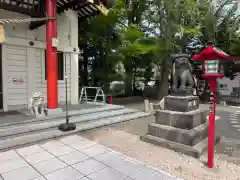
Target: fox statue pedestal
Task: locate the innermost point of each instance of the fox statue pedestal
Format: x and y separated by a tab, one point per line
181	126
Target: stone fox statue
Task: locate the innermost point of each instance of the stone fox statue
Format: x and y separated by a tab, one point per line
37	104
182	78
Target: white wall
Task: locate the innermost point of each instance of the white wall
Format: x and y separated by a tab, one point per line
20	60
229	84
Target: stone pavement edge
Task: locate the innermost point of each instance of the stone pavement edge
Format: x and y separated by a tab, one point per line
74	158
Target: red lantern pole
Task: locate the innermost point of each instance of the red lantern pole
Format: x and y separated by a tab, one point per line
211	122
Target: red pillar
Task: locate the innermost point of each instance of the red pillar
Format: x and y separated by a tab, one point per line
211	123
51	31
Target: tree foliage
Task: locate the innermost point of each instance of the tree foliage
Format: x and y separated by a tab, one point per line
141	33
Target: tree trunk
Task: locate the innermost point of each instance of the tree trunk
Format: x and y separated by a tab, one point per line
163	84
129	81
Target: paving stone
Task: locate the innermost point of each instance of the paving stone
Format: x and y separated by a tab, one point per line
107	174
25	173
107	156
29	150
52	144
119	163
11	165
84	178
73	157
38	157
8	155
71	139
39	178
94	150
82	144
49	166
59	151
149	174
67	173
88	166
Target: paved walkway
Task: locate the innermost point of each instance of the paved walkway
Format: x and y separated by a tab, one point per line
73	158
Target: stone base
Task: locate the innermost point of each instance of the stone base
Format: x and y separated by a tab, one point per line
182	136
181	103
194	151
183	120
53	112
179	92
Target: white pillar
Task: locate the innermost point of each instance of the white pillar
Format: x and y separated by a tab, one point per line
74	78
146	105
73	36
31	66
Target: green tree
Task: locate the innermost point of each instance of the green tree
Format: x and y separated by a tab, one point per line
221	24
100	33
172	23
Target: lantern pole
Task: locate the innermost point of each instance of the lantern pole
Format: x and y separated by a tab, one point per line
211	121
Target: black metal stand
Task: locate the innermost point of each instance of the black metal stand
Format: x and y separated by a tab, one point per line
66	126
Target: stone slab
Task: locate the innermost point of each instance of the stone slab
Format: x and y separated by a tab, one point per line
53	112
107	166
194	151
181	103
183	136
65	173
22	173
183	120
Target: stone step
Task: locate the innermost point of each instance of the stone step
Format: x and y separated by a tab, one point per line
188	150
36	136
194	151
183	136
87	111
13	131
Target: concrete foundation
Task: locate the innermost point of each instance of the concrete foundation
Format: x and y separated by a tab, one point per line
182	130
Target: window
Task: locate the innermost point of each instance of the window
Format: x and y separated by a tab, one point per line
60	65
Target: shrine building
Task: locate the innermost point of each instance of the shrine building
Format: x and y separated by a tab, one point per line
40	36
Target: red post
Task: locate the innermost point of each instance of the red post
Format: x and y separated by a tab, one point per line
211	123
110	100
51	31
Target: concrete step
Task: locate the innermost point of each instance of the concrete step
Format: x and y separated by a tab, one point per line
13	131
88	111
188	150
36	136
183	136
194	151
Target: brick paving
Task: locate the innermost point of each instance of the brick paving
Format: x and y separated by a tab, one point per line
74	158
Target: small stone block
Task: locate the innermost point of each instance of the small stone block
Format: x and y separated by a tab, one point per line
53	112
181	104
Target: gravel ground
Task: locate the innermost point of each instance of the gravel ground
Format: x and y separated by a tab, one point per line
124	137
175	163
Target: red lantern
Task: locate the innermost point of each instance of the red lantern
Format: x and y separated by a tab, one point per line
212	60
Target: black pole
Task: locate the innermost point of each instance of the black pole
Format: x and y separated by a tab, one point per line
66	89
67	126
